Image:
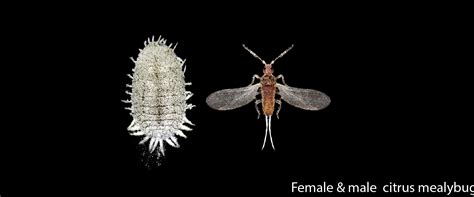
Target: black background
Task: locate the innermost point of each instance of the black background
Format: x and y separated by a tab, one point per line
396	83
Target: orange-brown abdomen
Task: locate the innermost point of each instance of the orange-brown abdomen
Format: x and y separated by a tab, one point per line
268	92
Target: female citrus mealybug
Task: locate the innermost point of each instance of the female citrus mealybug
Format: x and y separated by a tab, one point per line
158	97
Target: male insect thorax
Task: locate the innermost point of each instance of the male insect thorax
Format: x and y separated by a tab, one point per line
268	79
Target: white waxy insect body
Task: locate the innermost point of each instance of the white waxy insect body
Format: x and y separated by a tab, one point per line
158	97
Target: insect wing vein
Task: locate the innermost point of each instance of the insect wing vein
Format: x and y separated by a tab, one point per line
307	99
228	99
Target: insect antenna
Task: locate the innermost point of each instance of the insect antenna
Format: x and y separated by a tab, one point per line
282	54
255	55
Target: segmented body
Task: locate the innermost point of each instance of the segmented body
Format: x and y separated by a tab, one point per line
158	96
268	91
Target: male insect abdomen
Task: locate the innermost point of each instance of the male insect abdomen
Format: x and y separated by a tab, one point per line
268	99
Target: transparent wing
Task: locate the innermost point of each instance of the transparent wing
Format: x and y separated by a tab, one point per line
228	99
303	98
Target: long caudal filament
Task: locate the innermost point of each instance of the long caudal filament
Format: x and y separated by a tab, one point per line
268	122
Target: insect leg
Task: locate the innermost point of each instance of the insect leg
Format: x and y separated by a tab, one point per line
258	101
279	107
282	79
253	79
